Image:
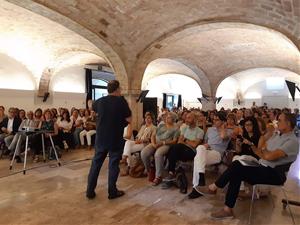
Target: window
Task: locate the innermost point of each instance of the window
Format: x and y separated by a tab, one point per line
170	101
99	88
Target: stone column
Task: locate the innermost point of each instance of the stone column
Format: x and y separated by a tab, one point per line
136	107
208	105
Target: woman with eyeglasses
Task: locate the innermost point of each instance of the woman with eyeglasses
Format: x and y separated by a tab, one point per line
250	137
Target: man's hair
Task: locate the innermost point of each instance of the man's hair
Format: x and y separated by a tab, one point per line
221	116
112	86
291	118
12	109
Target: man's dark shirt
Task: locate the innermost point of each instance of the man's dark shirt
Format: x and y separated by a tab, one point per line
112	112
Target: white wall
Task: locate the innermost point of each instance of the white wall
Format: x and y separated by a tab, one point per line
14	75
70	79
259	94
27	99
18	87
175	84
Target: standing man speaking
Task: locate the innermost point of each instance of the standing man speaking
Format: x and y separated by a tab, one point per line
113	115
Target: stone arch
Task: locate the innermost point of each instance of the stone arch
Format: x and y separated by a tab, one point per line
109	54
241	77
163	66
163	48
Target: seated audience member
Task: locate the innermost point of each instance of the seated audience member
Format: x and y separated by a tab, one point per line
60	113
261	125
250	136
83	114
22	114
65	130
202	122
273	117
89	129
231	124
161	140
2	113
190	137
248	113
47	125
143	138
181	120
54	114
162	118
216	141
38	114
239	117
276	155
86	115
77	127
210	119
27	123
9	127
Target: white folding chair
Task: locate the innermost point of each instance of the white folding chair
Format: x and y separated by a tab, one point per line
265	185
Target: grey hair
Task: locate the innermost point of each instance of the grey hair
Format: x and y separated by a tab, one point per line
174	116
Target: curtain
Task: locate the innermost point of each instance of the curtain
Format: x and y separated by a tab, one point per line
88	85
292	88
164	100
179	104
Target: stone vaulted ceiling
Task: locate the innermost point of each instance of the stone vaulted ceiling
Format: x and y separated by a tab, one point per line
217	38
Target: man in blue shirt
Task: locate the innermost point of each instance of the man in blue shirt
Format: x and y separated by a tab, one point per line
113	114
216	140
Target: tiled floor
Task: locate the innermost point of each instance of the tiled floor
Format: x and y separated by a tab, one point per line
56	195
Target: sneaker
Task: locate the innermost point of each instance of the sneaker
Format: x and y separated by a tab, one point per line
194	194
170	177
118	194
222	214
204	190
65	145
167	184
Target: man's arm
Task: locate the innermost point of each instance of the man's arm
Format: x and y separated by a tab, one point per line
194	143
268	155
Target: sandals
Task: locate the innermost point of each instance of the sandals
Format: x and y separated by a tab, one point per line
157	181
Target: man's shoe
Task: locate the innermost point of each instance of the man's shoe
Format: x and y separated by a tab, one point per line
18	159
194	194
222	214
167	184
118	194
204	190
91	195
169	178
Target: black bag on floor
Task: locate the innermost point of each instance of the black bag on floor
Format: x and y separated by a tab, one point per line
181	180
